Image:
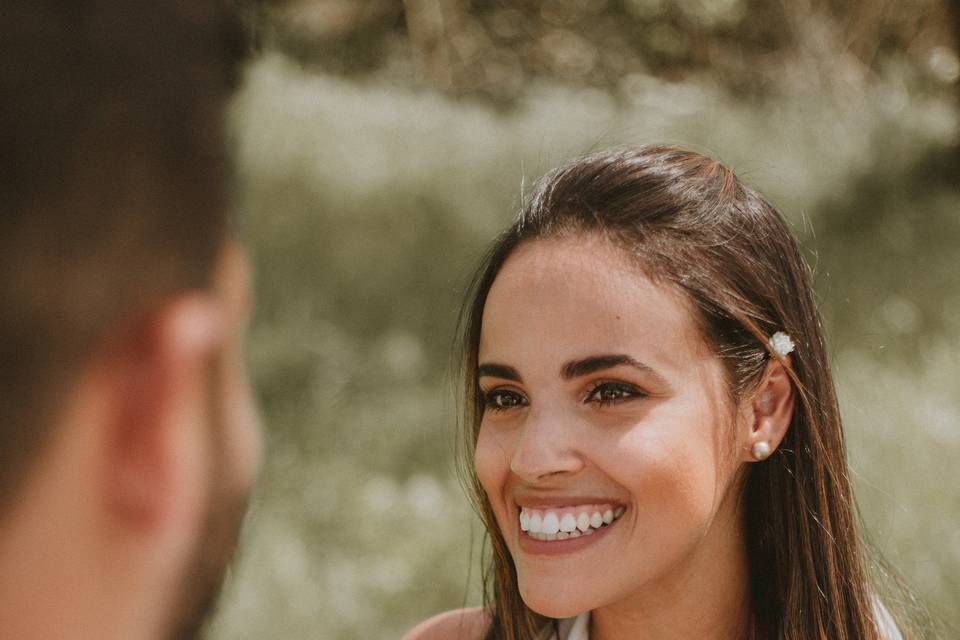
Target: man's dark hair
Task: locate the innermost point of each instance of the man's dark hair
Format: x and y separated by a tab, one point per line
113	183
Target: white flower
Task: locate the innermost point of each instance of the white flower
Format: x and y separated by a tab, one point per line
781	343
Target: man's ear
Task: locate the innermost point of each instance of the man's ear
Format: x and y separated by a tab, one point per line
770	412
158	376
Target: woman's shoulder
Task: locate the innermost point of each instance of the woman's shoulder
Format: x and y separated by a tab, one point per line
460	624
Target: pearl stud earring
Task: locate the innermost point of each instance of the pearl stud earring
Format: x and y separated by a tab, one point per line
761	450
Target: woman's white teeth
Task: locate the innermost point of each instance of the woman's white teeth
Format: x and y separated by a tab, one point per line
551	523
568	522
583	521
536	523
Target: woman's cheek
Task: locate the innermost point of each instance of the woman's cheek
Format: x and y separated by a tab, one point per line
492	462
673	479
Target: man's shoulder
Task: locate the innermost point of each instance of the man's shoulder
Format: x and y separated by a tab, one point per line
460	624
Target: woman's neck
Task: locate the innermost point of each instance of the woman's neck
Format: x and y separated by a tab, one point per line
707	597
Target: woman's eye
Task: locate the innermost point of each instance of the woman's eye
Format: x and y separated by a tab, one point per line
503	399
607	393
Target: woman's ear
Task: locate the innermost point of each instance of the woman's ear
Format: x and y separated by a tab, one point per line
769	412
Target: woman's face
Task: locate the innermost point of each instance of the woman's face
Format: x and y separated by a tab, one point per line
607	446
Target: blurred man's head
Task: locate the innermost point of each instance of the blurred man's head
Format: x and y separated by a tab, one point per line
127	436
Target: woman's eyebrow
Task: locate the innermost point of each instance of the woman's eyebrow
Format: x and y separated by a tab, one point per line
495	370
586	366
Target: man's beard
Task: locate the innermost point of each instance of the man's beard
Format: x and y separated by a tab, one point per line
216	544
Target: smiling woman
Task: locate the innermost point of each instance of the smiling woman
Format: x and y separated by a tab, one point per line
649	457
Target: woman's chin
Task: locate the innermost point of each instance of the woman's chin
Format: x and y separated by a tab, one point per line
554	602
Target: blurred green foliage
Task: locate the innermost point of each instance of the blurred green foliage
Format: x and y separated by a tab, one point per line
367	204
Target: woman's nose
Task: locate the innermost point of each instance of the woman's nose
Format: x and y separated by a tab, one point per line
545	448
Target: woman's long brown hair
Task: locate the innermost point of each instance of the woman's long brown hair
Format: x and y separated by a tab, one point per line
689	221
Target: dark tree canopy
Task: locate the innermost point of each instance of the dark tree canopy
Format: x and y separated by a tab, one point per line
495	48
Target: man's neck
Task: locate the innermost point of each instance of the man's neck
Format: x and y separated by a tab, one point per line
65	572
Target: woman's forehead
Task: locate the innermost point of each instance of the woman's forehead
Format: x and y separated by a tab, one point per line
568	296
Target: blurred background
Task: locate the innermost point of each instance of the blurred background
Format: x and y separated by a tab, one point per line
382	143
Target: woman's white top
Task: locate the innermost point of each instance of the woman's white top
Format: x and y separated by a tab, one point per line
569	629
579	628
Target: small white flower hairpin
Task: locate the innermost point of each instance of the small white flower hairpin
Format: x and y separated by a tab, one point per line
782	344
